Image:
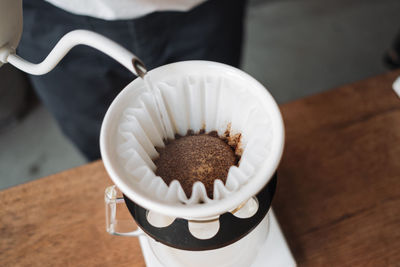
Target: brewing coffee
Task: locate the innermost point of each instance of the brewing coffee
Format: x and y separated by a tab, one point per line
197	157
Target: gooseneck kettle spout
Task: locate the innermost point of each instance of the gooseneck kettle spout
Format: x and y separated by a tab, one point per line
66	43
10	34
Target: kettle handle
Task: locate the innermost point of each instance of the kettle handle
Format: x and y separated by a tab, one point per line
112	198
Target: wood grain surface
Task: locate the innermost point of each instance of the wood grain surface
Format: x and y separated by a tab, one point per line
60	221
338	198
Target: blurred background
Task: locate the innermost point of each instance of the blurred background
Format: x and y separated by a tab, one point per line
296	48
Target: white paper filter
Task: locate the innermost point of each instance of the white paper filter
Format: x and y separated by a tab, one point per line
192	102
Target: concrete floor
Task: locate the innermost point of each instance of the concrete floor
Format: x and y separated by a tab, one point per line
35	148
295	48
299	48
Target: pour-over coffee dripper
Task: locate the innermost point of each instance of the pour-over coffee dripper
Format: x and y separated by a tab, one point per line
223	232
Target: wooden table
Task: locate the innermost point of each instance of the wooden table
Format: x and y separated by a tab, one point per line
338	198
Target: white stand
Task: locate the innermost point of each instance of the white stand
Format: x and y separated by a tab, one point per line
396	86
275	251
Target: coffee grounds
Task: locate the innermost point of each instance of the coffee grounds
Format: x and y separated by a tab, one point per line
195	157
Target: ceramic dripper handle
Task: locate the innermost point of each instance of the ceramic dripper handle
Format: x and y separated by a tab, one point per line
66	43
113	198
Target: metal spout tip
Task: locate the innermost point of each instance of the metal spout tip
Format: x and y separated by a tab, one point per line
139	67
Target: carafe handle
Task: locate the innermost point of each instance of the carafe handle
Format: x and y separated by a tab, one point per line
113	198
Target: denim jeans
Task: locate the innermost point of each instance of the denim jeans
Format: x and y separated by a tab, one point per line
80	89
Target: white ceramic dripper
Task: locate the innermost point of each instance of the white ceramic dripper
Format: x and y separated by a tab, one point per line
201	217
